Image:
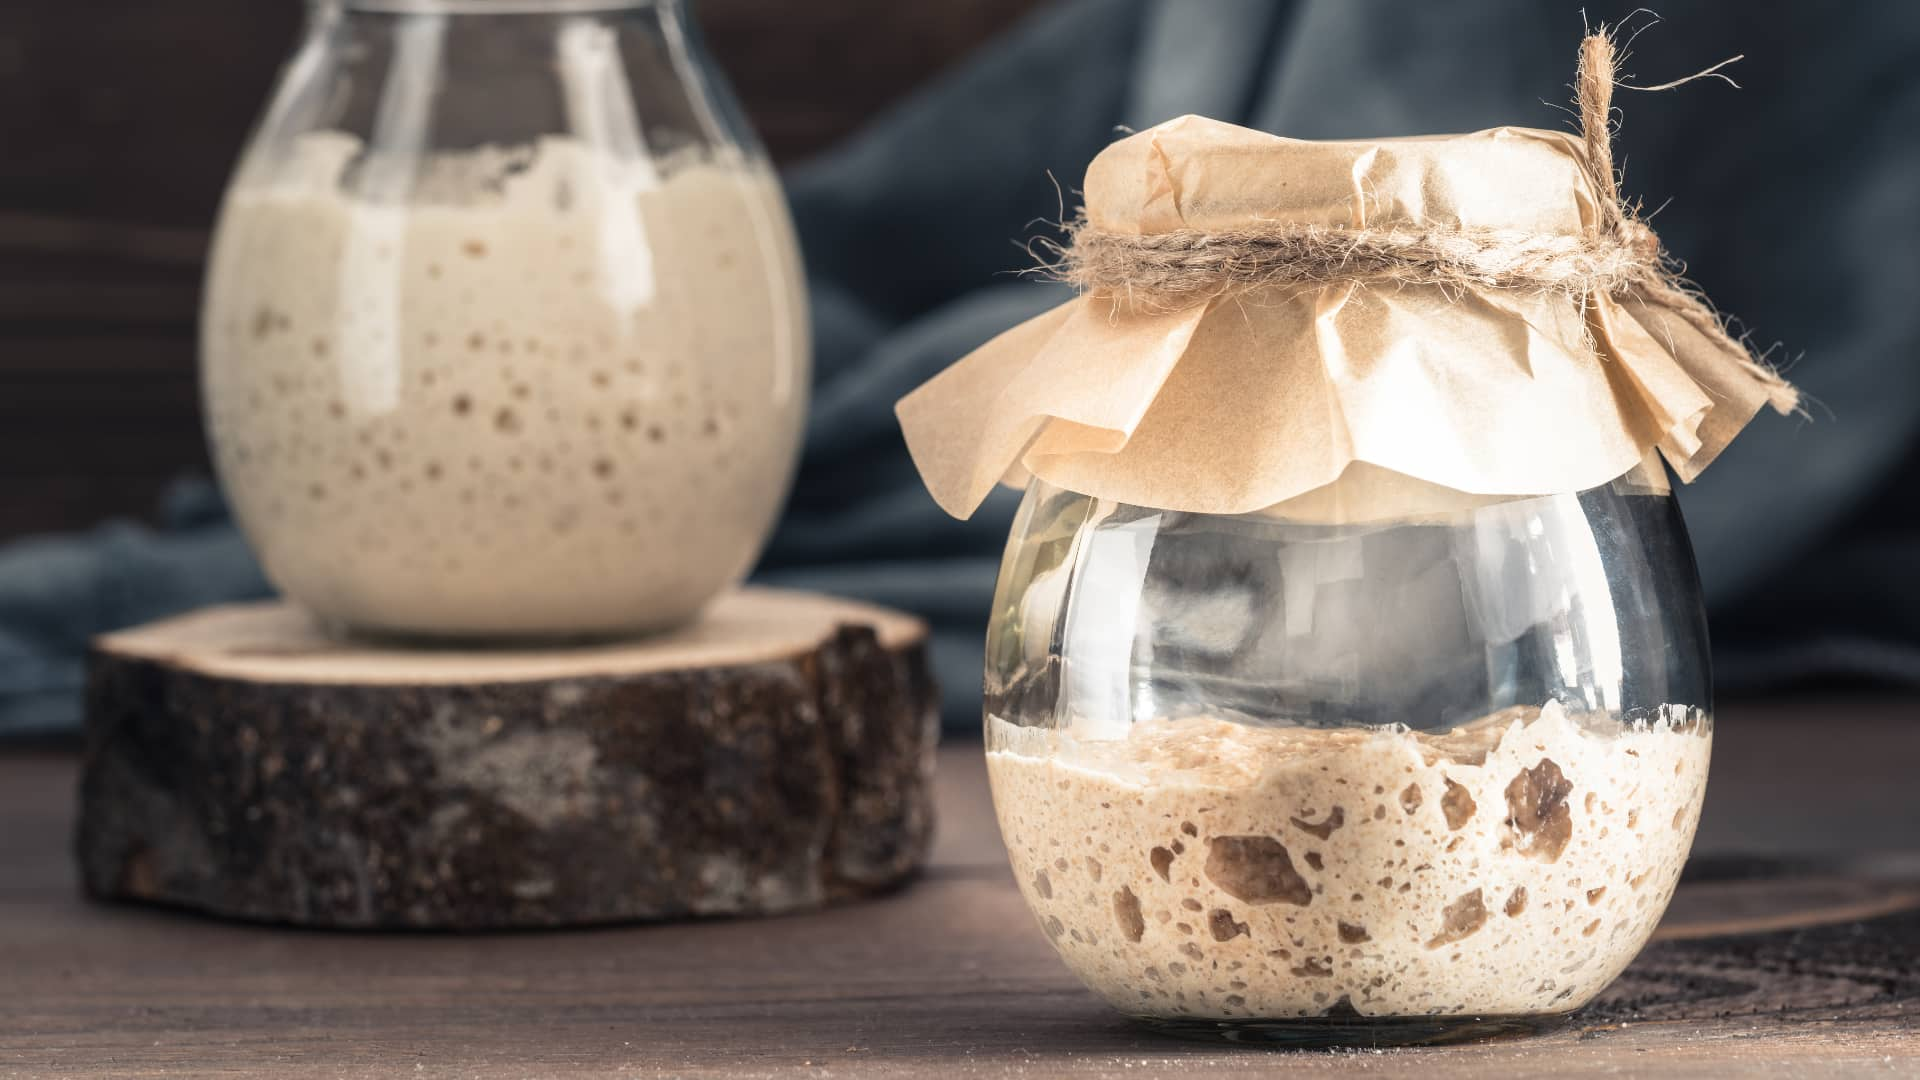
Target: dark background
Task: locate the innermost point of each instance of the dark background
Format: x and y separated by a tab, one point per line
1795	202
119	121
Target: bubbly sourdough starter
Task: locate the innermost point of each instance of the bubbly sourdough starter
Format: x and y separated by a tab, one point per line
550	394
1200	868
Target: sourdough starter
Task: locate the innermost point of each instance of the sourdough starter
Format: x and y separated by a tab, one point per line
1199	868
547	393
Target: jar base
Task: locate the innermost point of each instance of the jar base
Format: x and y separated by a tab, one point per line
1353	1030
501	640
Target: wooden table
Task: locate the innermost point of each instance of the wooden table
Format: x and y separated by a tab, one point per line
1800	958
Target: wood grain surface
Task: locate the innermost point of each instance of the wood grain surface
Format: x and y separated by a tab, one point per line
119	121
1802	962
772	756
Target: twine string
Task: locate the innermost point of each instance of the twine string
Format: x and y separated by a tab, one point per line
1620	257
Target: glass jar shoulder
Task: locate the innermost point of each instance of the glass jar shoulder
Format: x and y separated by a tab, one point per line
1108	615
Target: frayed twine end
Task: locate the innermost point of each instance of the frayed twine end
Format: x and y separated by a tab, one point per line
1621	257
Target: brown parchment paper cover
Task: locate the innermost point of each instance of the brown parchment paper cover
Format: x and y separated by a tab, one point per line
1344	399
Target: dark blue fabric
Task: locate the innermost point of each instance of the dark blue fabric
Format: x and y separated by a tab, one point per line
1796	202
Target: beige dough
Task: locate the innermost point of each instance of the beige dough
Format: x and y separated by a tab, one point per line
1200	868
548	394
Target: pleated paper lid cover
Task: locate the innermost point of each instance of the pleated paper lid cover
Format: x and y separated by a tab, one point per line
1257	396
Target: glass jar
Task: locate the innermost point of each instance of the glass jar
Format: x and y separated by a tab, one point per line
504	330
1406	781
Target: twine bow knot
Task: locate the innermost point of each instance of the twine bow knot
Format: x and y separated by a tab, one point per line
1622	257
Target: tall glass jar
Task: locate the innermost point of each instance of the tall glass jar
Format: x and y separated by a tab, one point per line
1267	777
504	332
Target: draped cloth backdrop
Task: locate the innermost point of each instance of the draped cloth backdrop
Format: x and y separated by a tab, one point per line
1795	202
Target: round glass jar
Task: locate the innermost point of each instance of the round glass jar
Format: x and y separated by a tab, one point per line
504	331
1396	782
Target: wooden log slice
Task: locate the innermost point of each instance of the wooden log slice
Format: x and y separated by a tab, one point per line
772	757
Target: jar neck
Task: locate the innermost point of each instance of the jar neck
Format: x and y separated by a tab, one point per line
487	7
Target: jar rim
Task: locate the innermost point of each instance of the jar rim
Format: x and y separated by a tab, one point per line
487	7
